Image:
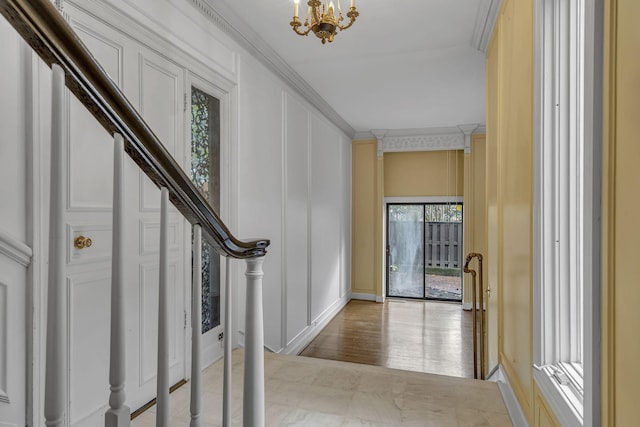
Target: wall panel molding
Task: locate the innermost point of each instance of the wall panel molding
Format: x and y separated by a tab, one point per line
4	354
15	250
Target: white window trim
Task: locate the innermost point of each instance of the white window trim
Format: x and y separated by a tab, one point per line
568	69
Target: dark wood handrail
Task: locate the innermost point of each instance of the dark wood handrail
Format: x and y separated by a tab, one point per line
45	30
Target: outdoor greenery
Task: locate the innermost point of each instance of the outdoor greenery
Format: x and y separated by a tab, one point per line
444	212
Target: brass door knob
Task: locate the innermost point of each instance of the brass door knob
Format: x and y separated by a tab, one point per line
82	242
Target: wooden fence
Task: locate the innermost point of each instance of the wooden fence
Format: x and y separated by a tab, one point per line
443	244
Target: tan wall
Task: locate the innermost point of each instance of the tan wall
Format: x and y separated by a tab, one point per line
543	416
511	147
364	226
415	174
475	220
493	232
429	173
621	293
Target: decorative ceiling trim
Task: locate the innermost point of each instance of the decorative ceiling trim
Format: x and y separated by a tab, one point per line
231	24
433	139
423	143
485	21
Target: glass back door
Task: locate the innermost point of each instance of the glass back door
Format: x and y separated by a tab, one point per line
424	251
405	251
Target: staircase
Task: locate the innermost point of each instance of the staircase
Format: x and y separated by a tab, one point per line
74	68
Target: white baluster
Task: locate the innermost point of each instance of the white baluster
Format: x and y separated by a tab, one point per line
253	393
196	328
228	326
118	414
163	410
55	398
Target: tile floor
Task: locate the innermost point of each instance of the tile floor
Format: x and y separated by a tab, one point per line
308	392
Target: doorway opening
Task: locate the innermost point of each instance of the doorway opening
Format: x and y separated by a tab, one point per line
424	251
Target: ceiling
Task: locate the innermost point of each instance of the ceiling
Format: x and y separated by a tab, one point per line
404	64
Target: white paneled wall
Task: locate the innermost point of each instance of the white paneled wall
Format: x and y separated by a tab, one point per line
15	255
296	218
260	184
294	178
326	189
287	179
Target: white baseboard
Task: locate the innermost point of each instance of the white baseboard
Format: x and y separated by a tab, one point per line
303	339
510	400
365	297
379	298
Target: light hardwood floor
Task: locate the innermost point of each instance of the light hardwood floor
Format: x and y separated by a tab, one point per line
422	336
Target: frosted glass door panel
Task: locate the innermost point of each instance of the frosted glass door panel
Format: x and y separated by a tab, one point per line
405	251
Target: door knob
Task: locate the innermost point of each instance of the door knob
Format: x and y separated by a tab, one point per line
82	242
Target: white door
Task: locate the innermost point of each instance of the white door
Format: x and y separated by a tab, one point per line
155	86
161	104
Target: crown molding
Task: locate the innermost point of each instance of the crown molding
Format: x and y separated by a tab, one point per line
231	24
429	139
485	21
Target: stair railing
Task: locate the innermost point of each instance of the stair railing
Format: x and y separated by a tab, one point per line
477	346
73	66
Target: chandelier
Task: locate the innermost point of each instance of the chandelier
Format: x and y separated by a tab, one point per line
322	20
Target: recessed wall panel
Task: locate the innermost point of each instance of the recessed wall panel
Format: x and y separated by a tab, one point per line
260	185
90	147
296	216
326	212
89	320
149	286
161	105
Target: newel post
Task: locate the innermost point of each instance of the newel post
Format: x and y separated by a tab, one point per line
253	393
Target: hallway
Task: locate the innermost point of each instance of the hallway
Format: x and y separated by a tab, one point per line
422	336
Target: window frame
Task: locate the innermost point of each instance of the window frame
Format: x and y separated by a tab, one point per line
567	206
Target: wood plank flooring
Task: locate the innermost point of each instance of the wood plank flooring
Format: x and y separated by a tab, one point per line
421	336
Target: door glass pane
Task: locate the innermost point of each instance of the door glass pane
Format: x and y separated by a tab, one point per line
443	258
405	251
205	173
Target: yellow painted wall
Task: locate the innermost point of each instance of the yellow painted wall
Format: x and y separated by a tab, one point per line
475	219
493	232
543	417
621	292
511	146
364	226
417	174
429	173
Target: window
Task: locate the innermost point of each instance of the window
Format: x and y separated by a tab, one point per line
205	173
567	193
